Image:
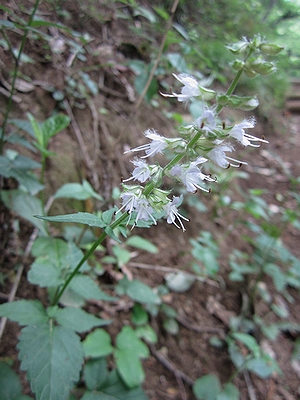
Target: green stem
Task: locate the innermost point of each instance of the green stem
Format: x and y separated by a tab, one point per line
15	74
116	223
234	83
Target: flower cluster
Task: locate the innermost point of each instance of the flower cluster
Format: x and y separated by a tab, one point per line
207	140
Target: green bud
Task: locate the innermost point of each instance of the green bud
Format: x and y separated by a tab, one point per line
261	67
249	72
270	49
245	103
207	94
238	65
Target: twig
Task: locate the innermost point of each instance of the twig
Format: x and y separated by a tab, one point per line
197	328
162	45
170	269
83	148
249	386
166	363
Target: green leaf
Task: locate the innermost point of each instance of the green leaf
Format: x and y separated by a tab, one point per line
129	367
171	326
80	218
52	356
45	273
24	125
137	291
88	289
24	312
141	243
37	130
77	191
147	333
78	320
128	353
114	389
249	341
229	392
95	373
97	344
139	315
207	387
122	255
54	125
260	367
10	385
25	206
177	62
17	166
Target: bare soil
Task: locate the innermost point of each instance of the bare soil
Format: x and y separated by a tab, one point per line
204	311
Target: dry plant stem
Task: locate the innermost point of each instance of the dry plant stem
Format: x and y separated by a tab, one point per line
166	363
162	45
162	268
251	392
86	156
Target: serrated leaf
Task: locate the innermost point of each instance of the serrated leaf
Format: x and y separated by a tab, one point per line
88	289
78	320
52	356
80	218
128	340
141	243
45	273
97	344
207	387
114	389
24	312
25	206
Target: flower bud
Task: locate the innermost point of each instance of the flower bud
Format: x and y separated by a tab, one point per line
237	65
270	49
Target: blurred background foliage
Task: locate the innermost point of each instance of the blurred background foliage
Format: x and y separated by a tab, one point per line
201	27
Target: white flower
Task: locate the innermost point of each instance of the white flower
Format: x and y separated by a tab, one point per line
173	214
190	175
207	121
158	144
218	155
141	173
129	201
238	132
189	90
144	211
